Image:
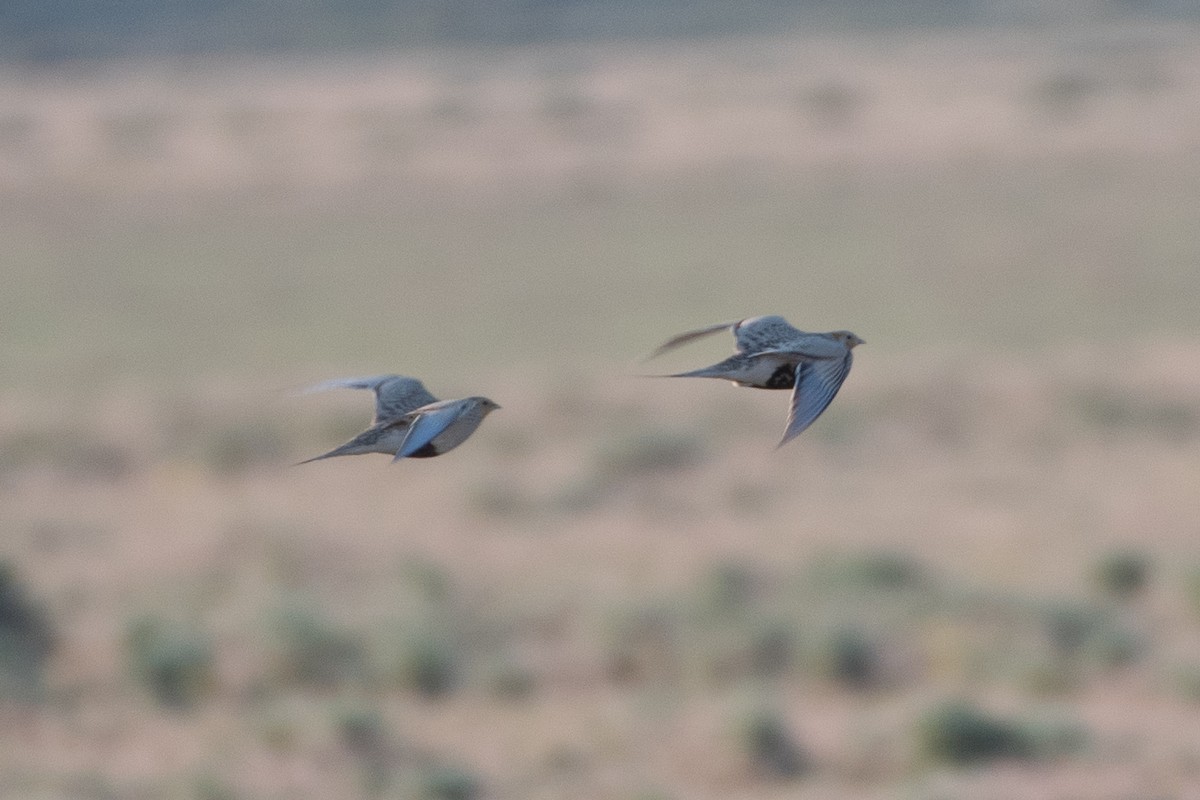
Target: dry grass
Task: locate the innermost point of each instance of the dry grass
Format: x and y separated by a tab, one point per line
617	578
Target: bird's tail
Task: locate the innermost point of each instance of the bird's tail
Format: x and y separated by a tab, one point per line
703	372
344	450
706	372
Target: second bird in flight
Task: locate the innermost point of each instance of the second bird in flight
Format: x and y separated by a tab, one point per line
771	354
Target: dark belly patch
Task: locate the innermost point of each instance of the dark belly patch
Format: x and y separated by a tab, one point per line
428	451
782	378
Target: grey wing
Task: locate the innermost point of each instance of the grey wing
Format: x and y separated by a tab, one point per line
427	426
398	396
816	384
684	338
761	333
806	347
395	395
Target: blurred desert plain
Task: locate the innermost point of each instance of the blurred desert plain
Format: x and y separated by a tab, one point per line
976	576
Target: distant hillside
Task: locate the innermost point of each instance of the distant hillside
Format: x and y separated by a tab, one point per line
37	31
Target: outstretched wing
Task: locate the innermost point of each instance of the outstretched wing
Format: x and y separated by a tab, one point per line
395	395
427	424
684	338
816	384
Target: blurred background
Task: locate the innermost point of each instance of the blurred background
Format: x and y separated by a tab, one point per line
976	576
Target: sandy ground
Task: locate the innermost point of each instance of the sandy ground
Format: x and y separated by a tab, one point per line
552	529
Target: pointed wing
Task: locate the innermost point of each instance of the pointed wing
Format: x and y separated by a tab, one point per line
427	424
395	395
816	384
806	347
371	382
684	338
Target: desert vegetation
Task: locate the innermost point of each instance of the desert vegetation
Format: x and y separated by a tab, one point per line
976	576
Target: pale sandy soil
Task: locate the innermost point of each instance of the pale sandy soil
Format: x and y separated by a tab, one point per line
988	474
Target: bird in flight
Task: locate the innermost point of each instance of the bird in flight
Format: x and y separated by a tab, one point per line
409	421
771	354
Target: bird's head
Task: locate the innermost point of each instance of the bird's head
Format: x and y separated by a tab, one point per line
487	406
848	339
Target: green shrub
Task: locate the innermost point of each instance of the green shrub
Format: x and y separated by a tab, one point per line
26	638
832	104
447	783
361	730
237	448
77	453
649	451
652	794
960	734
645	643
1191	589
1091	636
212	787
364	733
729	588
1123	574
430	662
851	658
755	648
498	499
1187	681
770	746
173	661
887	570
429	582
1116	646
1070	626
509	679
882	571
772	649
313	650
1064	94
1113	410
